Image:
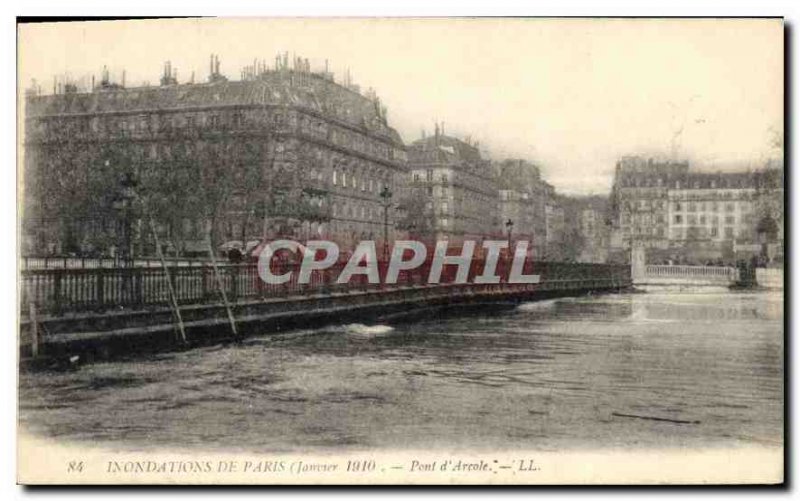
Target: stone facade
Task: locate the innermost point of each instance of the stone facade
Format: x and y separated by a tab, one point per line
283	151
459	185
522	201
697	216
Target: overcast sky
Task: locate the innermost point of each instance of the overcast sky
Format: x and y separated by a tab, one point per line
572	95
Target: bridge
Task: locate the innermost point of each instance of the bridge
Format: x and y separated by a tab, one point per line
99	310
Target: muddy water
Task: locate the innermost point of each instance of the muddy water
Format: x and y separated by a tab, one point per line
659	369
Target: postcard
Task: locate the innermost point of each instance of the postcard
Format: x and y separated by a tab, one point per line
401	251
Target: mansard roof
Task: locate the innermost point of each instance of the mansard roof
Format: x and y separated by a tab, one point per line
443	149
299	90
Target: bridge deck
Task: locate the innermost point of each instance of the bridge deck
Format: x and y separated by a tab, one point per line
80	308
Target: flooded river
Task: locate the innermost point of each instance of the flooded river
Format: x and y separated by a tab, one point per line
661	369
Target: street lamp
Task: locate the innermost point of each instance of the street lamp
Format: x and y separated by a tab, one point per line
386	196
123	203
509	227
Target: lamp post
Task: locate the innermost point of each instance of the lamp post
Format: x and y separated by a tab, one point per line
386	196
509	227
123	204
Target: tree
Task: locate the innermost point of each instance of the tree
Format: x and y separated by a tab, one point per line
414	215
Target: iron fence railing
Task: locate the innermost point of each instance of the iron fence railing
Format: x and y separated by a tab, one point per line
63	290
685	271
75	263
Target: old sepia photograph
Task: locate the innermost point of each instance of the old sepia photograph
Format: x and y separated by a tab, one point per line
403	251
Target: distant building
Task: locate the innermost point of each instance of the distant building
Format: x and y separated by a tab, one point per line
283	151
594	235
555	224
640	202
695	216
459	186
522	202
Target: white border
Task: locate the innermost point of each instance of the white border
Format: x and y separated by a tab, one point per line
416	8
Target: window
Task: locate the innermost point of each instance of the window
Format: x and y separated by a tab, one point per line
714	231
444	207
344	179
728	232
444	222
190	122
678	219
678	206
430	175
444	178
729	207
334	177
730	220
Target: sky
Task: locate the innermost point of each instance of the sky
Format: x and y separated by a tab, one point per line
572	95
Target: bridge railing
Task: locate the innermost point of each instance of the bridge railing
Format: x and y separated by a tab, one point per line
77	263
59	291
691	272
